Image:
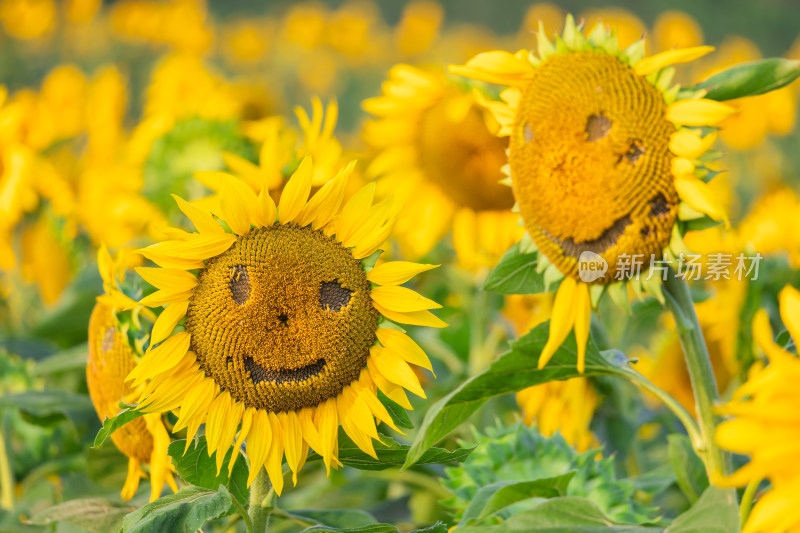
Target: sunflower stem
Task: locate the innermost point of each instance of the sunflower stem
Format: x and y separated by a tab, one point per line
261	504
679	301
747	500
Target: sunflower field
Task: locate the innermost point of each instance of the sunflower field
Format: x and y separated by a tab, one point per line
378	267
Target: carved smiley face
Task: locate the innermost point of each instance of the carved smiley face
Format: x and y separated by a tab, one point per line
590	162
283	319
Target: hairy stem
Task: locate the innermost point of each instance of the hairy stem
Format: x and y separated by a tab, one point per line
679	301
260	502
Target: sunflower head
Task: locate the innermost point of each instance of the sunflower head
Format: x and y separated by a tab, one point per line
602	152
118	328
287	328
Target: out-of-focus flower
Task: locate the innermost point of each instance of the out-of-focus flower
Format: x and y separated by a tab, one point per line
418	27
543	16
82	11
629	28
28	19
675	29
304	25
247	41
764	425
183	25
436	149
112	357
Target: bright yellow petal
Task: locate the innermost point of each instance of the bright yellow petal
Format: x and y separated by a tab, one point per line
698	112
325	203
167	321
203	220
224	416
353	211
688	144
247	423
583	317
762	334
296	191
396	272
562	319
396	370
135	473
327	424
188	254
259	442
169	279
268	210
415	318
275	455
162	297
656	62
699	196
375	406
401	344
239	206
293	441
401	299
161	358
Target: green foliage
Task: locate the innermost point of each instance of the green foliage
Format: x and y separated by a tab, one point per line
690	472
183	512
521	458
96	515
751	79
198	468
110	425
511	372
516	273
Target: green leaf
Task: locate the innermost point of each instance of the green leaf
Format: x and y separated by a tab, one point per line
515	274
716	511
751	79
48	406
182	512
566	514
511	372
396	411
376	528
110	425
390	454
72	359
197	468
690	473
497	496
94	514
335	518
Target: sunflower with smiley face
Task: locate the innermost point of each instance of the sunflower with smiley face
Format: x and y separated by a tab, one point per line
287	331
605	156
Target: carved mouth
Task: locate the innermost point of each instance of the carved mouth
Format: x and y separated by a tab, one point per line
259	374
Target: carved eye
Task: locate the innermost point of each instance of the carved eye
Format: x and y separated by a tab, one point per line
239	284
332	296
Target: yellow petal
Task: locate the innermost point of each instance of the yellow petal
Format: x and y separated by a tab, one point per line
135	473
268	210
224	416
239	206
656	62
247	423
309	430
401	299
415	318
375	406
203	220
396	272
324	205
347	418
396	370
562	319
163	297
688	144
259	442
401	344
167	321
353	211
328	425
161	358
699	196
293	441
275	455
762	334
296	192
194	251
698	112
583	317
169	279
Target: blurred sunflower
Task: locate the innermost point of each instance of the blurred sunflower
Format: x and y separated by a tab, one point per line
764	425
303	271
115	322
438	152
603	158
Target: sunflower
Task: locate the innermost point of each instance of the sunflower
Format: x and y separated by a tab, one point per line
764	425
605	160
436	148
287	333
111	358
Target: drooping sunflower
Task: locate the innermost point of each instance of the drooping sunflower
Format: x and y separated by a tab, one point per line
437	150
764	425
112	356
605	159
286	331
